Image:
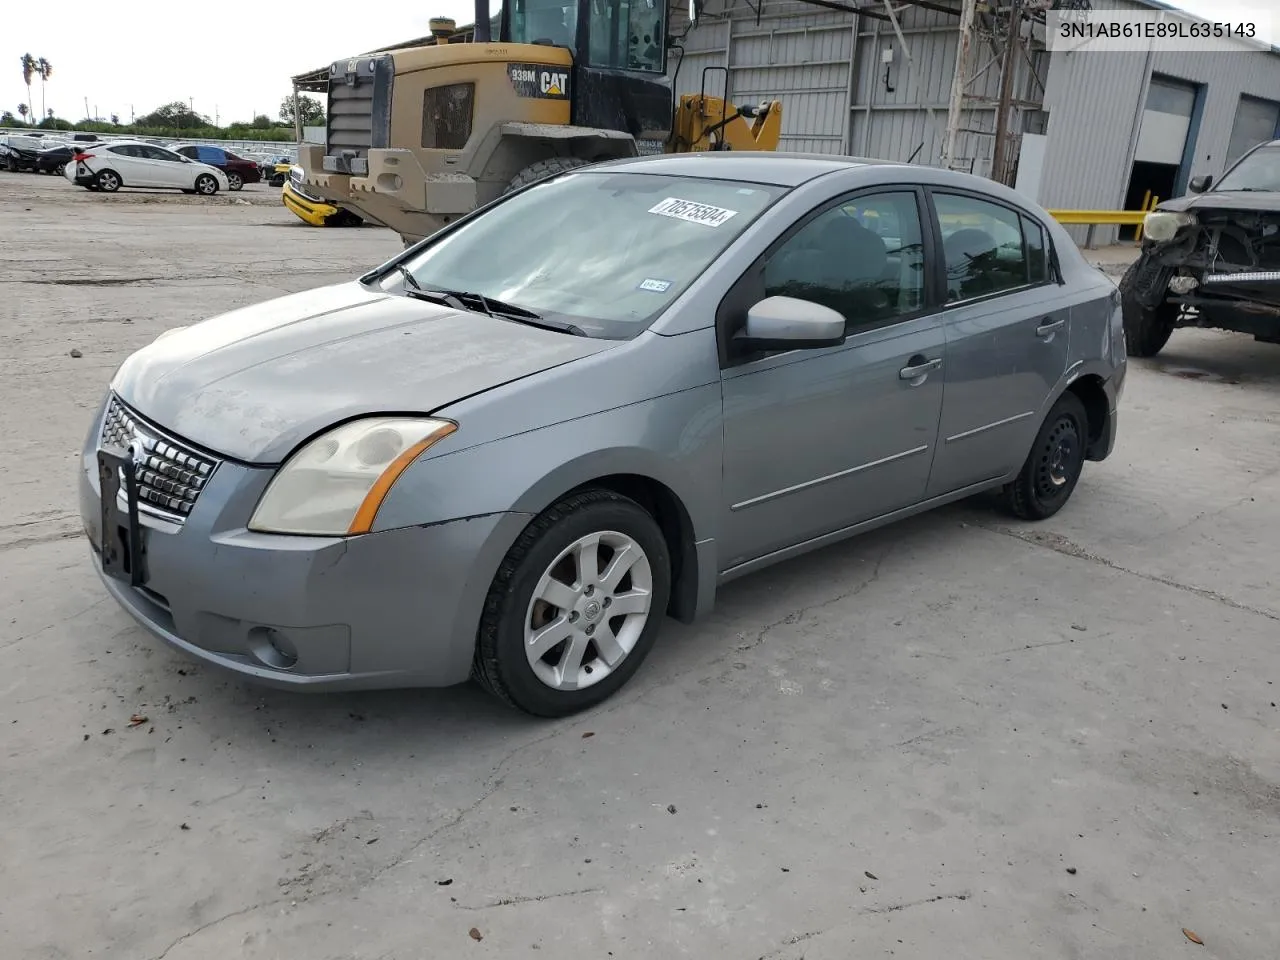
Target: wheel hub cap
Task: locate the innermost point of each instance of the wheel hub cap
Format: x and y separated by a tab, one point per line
588	610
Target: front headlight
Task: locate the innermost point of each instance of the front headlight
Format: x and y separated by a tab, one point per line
334	485
1163	225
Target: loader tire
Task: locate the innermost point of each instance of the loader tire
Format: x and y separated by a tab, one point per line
542	170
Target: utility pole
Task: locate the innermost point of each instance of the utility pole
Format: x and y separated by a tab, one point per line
1012	45
968	10
86	108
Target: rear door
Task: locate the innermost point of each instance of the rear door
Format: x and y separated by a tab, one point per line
1007	327
127	160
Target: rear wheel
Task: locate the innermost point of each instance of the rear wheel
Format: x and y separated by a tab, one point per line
234	181
206	185
60	169
1146	329
108	181
576	605
543	169
1054	465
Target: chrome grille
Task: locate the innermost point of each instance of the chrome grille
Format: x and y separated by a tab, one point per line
170	475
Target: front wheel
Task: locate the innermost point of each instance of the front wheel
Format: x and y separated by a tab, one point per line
576	605
206	185
234	181
1146	329
1054	465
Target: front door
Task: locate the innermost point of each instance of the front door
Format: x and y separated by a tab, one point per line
818	440
1007	326
170	170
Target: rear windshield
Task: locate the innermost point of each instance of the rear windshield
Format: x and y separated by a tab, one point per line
604	251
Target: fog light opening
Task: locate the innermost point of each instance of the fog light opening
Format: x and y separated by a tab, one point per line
272	648
1182	284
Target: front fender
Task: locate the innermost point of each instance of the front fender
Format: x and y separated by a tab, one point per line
674	439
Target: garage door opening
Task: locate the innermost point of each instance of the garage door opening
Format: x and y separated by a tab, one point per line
1166	140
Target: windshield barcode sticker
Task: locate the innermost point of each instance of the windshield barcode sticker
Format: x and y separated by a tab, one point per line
702	213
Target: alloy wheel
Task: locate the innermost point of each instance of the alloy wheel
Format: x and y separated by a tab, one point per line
588	610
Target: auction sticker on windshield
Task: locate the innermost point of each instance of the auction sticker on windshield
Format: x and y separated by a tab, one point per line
702	213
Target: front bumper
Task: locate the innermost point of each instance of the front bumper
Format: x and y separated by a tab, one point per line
393	609
304	208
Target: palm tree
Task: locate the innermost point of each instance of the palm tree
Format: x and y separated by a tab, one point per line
45	69
23	109
29	69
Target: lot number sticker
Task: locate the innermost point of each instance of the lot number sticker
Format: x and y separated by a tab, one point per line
654	285
702	213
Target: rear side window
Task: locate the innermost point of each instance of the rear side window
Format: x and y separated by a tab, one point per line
446	116
188	152
124	150
1037	251
982	246
210	154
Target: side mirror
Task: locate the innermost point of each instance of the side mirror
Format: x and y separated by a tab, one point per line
1200	184
785	323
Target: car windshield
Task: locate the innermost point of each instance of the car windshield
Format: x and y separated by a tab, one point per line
1260	170
604	251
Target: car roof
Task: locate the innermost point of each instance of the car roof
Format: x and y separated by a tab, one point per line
780	169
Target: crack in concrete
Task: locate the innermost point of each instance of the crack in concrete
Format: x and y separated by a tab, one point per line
213	923
49	626
896	907
512	901
1060	544
796	616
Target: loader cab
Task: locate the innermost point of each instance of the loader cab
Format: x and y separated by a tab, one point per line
619	52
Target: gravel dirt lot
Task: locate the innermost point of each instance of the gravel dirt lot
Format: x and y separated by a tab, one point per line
960	736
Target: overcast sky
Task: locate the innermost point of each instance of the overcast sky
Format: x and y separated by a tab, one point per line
232	61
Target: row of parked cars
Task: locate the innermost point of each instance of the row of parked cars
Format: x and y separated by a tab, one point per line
140	163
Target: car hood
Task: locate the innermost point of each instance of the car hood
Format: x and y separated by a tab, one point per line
1251	200
254	383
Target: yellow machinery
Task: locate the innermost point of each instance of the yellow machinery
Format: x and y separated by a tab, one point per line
311	209
420	135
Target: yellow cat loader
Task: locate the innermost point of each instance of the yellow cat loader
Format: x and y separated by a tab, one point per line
420	135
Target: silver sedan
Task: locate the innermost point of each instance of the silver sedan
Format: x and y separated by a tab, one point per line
508	453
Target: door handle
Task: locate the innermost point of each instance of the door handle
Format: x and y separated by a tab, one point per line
1049	326
919	369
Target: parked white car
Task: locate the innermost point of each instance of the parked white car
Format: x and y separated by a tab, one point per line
133	163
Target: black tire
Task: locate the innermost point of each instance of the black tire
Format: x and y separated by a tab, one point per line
500	665
1054	465
1146	329
108	181
543	169
11	164
234	181
60	170
206	185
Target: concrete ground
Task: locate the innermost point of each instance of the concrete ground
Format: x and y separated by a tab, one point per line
960	736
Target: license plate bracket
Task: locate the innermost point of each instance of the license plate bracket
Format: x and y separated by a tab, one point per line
122	547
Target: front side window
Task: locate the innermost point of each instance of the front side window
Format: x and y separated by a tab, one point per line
627	34
607	252
1259	170
552	22
1037	251
863	259
446	116
982	247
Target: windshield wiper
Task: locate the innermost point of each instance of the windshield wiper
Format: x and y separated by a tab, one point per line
409	278
509	311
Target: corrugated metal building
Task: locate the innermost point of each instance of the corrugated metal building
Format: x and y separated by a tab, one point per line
1091	130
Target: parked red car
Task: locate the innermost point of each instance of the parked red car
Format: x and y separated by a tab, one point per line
239	171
